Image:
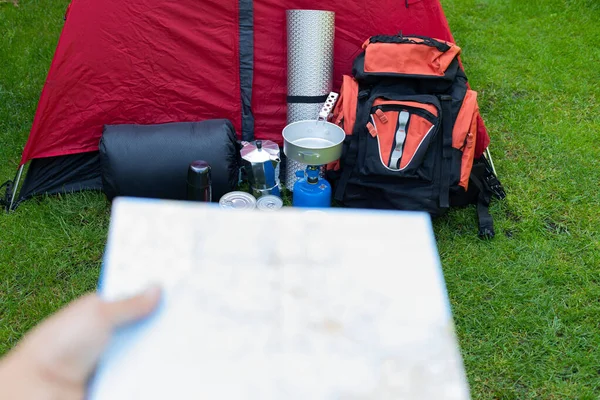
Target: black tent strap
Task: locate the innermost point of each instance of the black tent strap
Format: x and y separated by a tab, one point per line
246	48
307	99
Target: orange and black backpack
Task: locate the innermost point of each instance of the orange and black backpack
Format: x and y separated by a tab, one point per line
411	125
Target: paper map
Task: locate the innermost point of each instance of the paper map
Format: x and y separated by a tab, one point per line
278	305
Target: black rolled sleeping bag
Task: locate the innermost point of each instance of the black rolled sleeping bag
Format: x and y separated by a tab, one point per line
152	160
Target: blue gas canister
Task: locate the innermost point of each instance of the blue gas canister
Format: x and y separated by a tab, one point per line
311	191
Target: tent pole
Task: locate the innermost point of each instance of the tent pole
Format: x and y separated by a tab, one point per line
489	157
16	187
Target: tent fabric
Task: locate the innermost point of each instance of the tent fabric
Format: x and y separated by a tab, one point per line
61	174
137	61
158	61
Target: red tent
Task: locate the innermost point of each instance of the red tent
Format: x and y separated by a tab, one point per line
157	61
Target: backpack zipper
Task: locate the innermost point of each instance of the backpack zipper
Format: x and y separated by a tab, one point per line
391	107
427	41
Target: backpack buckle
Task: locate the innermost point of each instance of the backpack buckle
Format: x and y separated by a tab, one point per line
495	187
364	94
486	233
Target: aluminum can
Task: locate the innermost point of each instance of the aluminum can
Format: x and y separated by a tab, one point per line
238	201
269	203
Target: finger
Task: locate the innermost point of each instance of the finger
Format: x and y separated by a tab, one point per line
121	312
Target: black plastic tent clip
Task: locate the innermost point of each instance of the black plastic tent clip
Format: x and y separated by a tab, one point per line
6	200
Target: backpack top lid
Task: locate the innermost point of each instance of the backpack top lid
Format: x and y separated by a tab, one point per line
407	57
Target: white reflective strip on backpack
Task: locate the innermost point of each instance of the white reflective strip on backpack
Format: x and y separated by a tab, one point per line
400	139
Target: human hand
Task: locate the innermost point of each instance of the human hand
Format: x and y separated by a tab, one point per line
56	359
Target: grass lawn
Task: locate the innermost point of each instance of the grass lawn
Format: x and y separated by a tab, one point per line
526	305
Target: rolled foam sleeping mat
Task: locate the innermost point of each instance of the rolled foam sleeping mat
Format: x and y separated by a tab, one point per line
310	37
152	160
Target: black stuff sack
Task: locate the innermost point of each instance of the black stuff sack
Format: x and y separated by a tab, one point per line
152	160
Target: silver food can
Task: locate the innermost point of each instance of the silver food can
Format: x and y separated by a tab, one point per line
238	201
269	203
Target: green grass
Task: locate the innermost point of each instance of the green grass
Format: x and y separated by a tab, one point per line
50	249
526	305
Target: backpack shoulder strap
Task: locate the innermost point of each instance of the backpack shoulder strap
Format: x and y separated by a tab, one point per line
352	154
486	222
447	123
488	185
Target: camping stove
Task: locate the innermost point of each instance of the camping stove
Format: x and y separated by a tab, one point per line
311	190
314	143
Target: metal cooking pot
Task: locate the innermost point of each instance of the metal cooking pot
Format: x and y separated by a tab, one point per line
313	142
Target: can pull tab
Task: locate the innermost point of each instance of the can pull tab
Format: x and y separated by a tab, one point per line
328	106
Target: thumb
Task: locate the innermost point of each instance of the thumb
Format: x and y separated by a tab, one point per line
122	312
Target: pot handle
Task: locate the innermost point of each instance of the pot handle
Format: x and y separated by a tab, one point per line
328	106
308	154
